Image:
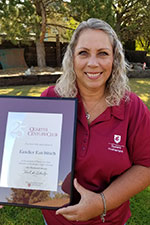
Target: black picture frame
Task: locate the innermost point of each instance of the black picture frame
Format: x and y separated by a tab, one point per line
33	197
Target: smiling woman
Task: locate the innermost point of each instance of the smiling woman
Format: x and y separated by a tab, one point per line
113	129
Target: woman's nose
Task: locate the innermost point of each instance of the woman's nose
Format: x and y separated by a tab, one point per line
92	61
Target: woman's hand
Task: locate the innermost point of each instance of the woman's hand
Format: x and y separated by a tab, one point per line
89	206
1	206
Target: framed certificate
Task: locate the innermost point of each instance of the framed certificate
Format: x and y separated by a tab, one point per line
37	151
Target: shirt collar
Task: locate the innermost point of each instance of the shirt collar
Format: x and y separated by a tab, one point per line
116	111
119	111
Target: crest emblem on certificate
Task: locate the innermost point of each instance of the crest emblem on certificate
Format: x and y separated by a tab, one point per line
117	138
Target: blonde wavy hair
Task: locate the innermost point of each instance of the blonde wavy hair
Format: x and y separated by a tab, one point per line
117	84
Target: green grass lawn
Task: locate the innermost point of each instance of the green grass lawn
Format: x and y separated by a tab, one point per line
140	204
26	90
142	88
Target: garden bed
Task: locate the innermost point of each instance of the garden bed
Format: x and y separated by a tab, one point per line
18	76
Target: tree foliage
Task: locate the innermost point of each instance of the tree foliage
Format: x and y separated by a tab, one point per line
30	19
23	20
144	35
84	9
129	18
20	19
16	19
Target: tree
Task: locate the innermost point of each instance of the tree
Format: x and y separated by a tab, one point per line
144	35
129	18
83	9
24	20
15	18
45	9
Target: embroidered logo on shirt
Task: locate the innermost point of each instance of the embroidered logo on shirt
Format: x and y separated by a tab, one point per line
116	147
117	138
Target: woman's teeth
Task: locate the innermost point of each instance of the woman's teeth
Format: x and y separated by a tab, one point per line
93	74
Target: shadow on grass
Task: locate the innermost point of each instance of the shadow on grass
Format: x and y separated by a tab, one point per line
26	90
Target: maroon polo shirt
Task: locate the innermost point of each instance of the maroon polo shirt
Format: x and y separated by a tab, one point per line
111	144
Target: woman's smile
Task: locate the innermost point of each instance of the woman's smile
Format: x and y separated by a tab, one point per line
93	75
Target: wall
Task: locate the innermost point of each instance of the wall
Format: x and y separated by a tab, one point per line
51	49
8	60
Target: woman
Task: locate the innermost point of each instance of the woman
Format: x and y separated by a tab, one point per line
113	129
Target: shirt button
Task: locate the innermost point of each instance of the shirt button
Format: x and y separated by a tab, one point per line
83	148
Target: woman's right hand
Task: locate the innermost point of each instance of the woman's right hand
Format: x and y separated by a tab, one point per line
1	206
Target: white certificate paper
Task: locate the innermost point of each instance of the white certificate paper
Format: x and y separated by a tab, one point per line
32	151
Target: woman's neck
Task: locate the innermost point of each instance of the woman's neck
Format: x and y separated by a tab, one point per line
94	104
92	96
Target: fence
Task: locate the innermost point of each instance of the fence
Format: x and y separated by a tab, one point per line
54	54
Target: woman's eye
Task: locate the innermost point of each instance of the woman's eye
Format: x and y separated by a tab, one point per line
103	53
83	53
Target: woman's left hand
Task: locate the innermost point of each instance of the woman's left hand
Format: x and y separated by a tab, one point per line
90	205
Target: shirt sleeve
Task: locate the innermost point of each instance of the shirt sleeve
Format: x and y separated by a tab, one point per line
139	133
49	92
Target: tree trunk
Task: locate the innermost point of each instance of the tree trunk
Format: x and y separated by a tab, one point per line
40	50
118	24
58	54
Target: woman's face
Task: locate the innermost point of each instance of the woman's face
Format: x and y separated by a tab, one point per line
93	60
